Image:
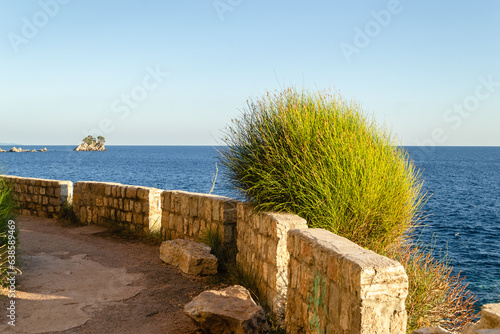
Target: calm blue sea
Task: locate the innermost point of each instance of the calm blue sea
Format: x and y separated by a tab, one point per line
463	213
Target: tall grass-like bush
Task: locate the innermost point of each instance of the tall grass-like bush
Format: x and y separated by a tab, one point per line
319	157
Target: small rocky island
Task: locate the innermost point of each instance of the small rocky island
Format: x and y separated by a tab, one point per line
16	150
90	143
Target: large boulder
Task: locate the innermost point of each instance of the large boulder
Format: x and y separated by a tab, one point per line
228	311
489	323
15	149
191	257
490	316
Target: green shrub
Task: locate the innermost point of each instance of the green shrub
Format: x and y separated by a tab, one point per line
67	215
7	207
319	157
225	253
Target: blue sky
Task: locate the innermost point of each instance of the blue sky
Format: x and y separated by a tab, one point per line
156	72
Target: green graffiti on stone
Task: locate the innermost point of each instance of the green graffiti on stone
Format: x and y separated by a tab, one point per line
316	301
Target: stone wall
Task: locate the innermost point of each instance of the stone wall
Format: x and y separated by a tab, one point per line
39	197
336	286
262	251
138	208
189	215
325	283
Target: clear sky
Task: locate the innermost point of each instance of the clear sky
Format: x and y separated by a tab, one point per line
158	72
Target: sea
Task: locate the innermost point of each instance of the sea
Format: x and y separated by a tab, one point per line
462	214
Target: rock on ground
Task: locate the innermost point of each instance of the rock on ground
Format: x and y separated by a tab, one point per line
190	257
490	316
226	311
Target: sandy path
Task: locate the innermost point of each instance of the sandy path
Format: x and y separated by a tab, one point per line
82	280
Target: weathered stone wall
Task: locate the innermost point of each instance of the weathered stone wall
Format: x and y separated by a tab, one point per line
138	208
39	197
336	286
189	215
262	251
325	283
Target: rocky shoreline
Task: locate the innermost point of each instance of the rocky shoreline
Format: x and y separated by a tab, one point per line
17	150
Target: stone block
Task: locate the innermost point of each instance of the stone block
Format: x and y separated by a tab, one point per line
137	206
490	316
184	202
193	206
196	227
215	210
121	191
143	193
186	223
166	198
100	189
176	203
107	190
145	205
103	213
201	206
190	257
131	192
171	222
179	224
207	209
230	310
229	212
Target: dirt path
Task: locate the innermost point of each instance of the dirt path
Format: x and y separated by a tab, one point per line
83	280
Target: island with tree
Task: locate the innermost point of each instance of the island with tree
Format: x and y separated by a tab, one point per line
90	143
